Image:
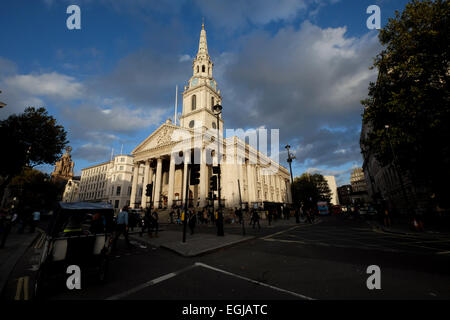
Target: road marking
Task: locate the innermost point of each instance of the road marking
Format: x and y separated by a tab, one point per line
254	281
280	232
149	283
40	241
22	285
288	241
443	252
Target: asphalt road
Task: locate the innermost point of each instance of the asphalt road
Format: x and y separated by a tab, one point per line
327	260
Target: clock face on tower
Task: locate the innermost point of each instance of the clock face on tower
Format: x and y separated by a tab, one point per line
212	84
194	82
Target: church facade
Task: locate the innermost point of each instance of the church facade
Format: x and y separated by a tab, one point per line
247	175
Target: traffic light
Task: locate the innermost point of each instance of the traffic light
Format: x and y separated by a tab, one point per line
148	190
195	174
213	183
216	170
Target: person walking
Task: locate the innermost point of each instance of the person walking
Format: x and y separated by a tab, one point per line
121	228
255	219
269	217
146	223
171	214
35	220
155	217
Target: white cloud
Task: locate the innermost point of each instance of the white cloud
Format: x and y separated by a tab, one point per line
52	85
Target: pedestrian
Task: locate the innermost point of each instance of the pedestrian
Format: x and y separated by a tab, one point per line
192	221
147	223
35	220
297	214
171	214
121	227
238	214
269	217
255	219
178	215
155	217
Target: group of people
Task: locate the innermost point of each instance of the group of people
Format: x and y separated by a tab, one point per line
149	223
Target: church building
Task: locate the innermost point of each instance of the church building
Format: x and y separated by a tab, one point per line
165	155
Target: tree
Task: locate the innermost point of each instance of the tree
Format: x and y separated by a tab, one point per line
408	107
35	189
310	189
29	139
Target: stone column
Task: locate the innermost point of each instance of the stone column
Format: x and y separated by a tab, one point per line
144	185
171	181
157	195
134	186
203	178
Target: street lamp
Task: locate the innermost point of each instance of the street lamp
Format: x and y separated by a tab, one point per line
289	160
217	111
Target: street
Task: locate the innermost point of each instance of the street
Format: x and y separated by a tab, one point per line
325	260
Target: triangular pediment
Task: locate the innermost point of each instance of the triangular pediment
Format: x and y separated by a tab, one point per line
159	138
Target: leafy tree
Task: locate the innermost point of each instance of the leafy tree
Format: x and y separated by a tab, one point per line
309	189
29	139
411	95
35	189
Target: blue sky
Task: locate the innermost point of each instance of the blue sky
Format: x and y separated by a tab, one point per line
300	66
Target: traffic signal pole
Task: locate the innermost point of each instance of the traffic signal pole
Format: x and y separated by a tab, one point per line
186	204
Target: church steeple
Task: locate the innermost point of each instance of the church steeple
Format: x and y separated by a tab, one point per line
202	65
202	93
202	46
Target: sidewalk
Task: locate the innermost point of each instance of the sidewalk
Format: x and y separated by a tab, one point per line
195	245
15	247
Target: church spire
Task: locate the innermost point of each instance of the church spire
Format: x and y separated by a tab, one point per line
202	46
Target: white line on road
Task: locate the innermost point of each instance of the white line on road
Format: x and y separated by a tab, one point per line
253	281
149	283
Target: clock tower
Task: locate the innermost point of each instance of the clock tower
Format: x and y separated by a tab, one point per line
202	93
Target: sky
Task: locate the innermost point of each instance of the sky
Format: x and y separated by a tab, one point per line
300	66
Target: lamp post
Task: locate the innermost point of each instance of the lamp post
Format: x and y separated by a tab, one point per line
217	111
289	160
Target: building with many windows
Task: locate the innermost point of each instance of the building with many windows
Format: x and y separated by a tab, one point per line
110	182
71	190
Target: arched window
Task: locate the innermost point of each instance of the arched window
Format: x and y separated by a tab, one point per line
212	103
194	102
203	68
198	69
